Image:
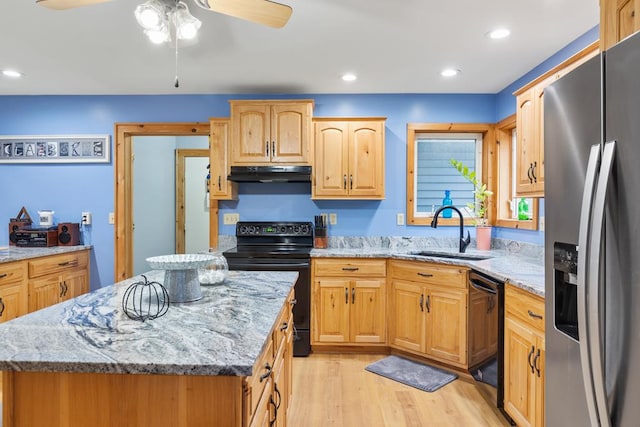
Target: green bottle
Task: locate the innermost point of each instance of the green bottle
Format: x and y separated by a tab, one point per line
523	210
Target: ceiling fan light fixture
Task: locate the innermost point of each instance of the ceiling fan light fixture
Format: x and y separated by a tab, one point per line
186	24
151	14
159	35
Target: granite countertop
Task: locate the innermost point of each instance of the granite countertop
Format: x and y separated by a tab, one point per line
221	334
525	272
15	253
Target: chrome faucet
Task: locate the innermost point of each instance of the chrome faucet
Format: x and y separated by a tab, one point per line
463	242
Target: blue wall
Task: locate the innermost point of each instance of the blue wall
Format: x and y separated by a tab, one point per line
71	189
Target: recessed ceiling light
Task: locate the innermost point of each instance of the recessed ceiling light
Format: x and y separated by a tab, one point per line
450	72
498	33
349	77
11	73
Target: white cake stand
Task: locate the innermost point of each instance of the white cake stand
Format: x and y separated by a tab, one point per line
181	274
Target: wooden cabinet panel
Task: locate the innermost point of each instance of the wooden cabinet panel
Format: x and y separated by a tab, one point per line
44	292
367	322
74	284
483	326
524	354
437	274
13	301
265	132
12	272
407	313
57	263
219	187
618	20
446	337
349	159
349	301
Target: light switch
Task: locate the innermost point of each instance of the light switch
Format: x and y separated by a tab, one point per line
333	219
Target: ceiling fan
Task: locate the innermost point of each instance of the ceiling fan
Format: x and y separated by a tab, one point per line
263	12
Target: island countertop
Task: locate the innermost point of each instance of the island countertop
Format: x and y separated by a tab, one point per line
221	334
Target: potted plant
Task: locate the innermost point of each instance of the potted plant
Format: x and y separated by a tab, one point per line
479	208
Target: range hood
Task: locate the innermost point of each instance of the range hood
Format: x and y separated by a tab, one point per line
280	173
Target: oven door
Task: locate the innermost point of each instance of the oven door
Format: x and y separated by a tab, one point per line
302	309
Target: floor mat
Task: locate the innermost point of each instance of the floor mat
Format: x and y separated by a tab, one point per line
411	373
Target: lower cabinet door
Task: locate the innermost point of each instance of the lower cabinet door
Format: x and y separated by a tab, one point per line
446	324
44	292
519	376
13	301
265	411
408	316
368	314
332	310
74	284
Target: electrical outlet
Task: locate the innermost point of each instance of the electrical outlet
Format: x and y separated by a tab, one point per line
400	219
86	218
541	223
333	219
230	218
112	218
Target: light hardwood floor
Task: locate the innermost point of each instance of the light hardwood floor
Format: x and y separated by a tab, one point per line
335	390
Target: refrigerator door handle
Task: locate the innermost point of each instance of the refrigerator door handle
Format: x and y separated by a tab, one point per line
596	341
583	245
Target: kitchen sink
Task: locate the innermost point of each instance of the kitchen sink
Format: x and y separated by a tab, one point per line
451	255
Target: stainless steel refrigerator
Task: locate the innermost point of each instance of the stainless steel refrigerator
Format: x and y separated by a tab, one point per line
592	242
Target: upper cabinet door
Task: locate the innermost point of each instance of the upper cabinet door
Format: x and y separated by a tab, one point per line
290	133
366	159
219	187
618	20
330	160
251	138
527	143
265	132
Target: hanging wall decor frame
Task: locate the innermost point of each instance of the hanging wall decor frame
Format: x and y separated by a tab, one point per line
55	149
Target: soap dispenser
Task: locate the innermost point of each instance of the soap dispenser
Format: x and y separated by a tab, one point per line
447	202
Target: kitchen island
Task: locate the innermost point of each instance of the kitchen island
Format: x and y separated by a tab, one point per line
83	362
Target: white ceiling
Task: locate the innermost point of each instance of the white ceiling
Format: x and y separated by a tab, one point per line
394	46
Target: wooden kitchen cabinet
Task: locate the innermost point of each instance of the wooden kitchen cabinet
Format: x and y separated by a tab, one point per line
349	158
56	278
13	290
428	310
219	187
483	336
618	20
349	301
271	131
524	357
530	125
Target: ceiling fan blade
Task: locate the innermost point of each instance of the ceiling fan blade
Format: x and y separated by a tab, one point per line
67	4
263	12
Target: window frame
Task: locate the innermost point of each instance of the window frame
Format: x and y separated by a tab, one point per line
487	131
504	178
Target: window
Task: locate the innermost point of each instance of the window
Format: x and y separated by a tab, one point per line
430	147
506	200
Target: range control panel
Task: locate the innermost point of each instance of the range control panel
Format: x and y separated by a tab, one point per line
244	228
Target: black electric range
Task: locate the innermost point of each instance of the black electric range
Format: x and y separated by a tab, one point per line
279	246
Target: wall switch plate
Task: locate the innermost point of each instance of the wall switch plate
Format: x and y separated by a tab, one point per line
230	218
400	219
333	219
112	218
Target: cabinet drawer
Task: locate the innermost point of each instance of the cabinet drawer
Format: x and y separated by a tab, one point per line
12	272
349	267
256	385
57	263
424	272
525	306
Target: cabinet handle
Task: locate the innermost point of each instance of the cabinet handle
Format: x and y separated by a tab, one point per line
534	315
425	274
346	295
2	276
61	290
350	268
535	363
267	373
73	263
421	301
278	395
219	183
353	296
1	306
66	288
272	422
351	182
529	358
267	145
427	304
294	302
529	173
344	182
284	326
533	171
273	148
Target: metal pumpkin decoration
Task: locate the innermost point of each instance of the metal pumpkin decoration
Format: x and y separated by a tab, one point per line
145	300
